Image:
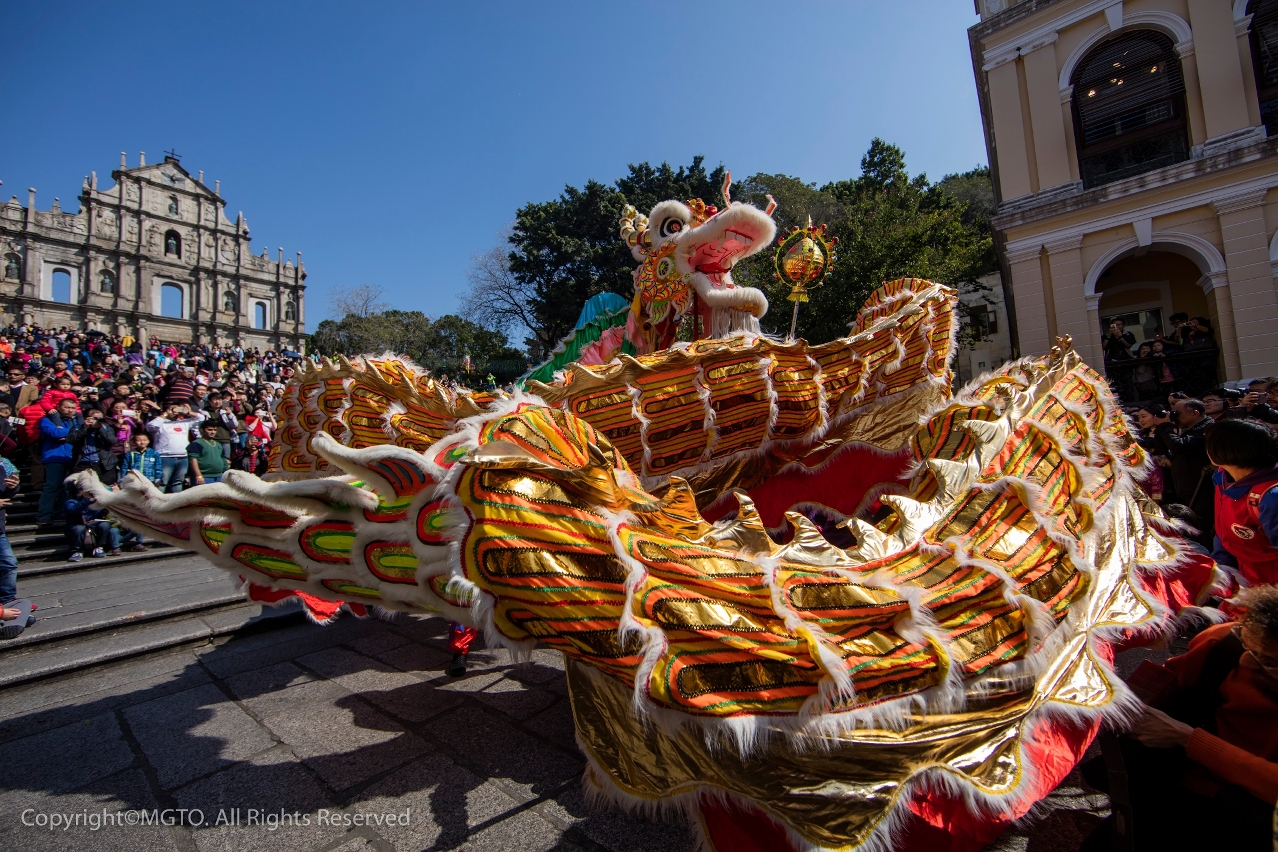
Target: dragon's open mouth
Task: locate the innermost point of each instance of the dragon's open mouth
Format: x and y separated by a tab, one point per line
715	247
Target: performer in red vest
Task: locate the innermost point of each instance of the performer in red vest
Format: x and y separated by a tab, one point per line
1246	498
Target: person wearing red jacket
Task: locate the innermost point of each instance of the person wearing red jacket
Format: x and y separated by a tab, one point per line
1246	498
1202	765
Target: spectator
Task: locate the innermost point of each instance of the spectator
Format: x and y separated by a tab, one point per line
21	392
1255	403
251	458
143	459
1149	417
1185	439
1118	344
172	433
8	562
205	456
59	430
96	449
1202	761
1246	498
1218	403
1145	375
88	528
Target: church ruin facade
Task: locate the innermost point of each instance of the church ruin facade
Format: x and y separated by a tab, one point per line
152	256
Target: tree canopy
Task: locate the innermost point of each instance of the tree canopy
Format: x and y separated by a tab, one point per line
439	345
889	224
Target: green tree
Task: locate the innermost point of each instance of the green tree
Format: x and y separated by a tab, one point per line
566	250
369	328
888	224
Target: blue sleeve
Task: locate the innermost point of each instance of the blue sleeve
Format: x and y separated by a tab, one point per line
1269	515
1222	556
48	428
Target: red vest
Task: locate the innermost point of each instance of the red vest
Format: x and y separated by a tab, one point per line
1239	530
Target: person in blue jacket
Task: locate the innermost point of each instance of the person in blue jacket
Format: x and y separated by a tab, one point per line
59	430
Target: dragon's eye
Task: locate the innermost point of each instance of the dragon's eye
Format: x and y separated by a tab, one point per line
670	226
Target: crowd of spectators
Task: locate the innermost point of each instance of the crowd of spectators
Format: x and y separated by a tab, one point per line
180	415
1183	359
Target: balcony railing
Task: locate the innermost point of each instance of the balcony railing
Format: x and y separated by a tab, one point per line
1152	379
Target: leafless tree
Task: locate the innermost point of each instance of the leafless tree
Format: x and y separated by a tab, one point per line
497	299
362	301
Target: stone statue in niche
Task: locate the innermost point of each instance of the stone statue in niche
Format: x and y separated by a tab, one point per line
106	282
11	268
231	302
174	208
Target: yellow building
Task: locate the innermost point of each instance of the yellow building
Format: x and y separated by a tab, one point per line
1136	180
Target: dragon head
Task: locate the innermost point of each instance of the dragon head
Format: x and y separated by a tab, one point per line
690	249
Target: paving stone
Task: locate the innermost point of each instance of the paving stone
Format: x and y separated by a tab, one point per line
290	699
271	783
416	658
265	680
355	844
528	766
194	733
524	831
431	627
415	701
545	665
555	723
616	830
472	681
444	802
345	740
335	662
68	757
378	641
255	652
31	708
127	790
515	699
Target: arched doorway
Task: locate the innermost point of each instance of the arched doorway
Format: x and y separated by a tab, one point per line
1160	331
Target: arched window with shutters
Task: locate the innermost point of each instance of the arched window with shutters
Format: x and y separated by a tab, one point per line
1264	59
1129	108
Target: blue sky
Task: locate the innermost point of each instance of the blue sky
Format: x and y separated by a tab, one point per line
388	142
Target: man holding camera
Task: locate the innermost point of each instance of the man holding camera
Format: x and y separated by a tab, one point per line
171	434
1118	342
1185	438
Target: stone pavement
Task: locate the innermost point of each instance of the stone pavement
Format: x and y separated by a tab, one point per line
354	719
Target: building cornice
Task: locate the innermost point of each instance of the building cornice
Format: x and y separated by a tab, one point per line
1239	201
1068	242
1029	209
1214	281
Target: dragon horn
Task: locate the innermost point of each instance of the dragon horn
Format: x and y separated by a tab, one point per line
727	184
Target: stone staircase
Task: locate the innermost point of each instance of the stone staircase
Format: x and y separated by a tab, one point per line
106	608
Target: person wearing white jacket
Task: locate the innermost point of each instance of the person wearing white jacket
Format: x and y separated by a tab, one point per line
170	435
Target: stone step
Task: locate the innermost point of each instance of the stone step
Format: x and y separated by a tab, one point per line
54	657
111	596
57	563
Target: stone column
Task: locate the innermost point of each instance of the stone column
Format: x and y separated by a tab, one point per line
1011	147
1216	286
1068	281
1051	153
1219	71
1032	329
1251	283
